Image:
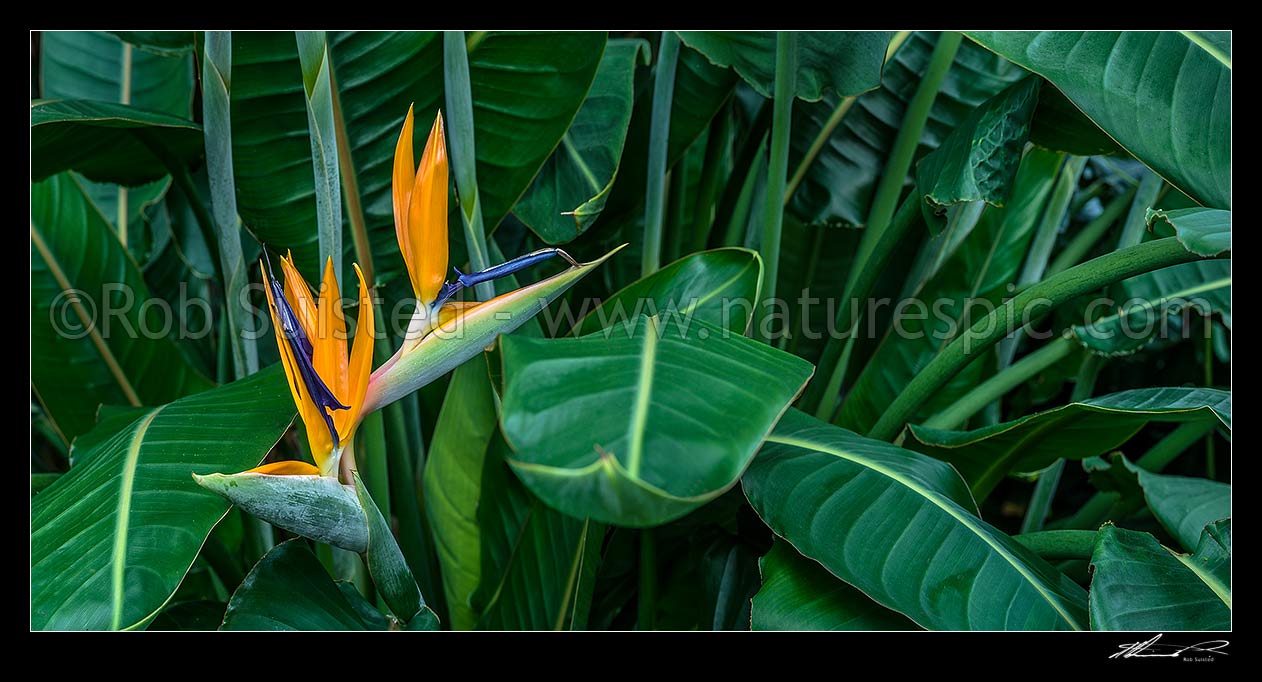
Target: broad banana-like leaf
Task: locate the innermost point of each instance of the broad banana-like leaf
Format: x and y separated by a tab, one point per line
1184	505
112	538
903	528
106	141
1165	96
846	62
1137	584
719	286
799	594
1075	431
1203	231
571	189
93	329
642	423
289	590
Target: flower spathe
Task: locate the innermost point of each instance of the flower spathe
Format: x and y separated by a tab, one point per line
327	386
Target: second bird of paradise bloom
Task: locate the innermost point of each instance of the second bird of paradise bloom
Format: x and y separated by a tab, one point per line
332	386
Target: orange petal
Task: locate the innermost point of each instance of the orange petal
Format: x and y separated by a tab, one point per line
401	188
427	218
317	433
291	467
360	362
299	295
329	342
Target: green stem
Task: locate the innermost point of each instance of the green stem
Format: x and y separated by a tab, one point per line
736	217
823	394
659	137
648	579
1059	544
1137	219
904	150
675	205
711	171
463	153
1048	294
407	497
777	169
835	358
1091	233
750	149
1211	464
998	385
1044	239
1097	509
1045	488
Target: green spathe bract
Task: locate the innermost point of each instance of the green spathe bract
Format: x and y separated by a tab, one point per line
420	362
317	507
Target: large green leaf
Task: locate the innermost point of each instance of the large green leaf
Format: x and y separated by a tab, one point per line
453	483
799	594
1163	96
571	189
979	160
289	590
838	186
1184	505
508	561
1203	231
90	65
113	538
718	286
104	141
644	422
98	66
986	261
120	353
1074	431
526	88
903	528
1137	584
701	90
539	565
1154	305
166	43
845	62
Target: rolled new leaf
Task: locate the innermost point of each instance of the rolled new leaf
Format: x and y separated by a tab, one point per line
317	507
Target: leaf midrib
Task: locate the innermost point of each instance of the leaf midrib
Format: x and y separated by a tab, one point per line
118	556
952	510
644	390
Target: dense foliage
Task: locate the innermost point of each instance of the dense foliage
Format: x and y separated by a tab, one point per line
911	330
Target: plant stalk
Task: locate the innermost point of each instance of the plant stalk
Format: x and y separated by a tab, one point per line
659	137
1059	544
1048	294
1091	233
463	153
822	391
777	169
